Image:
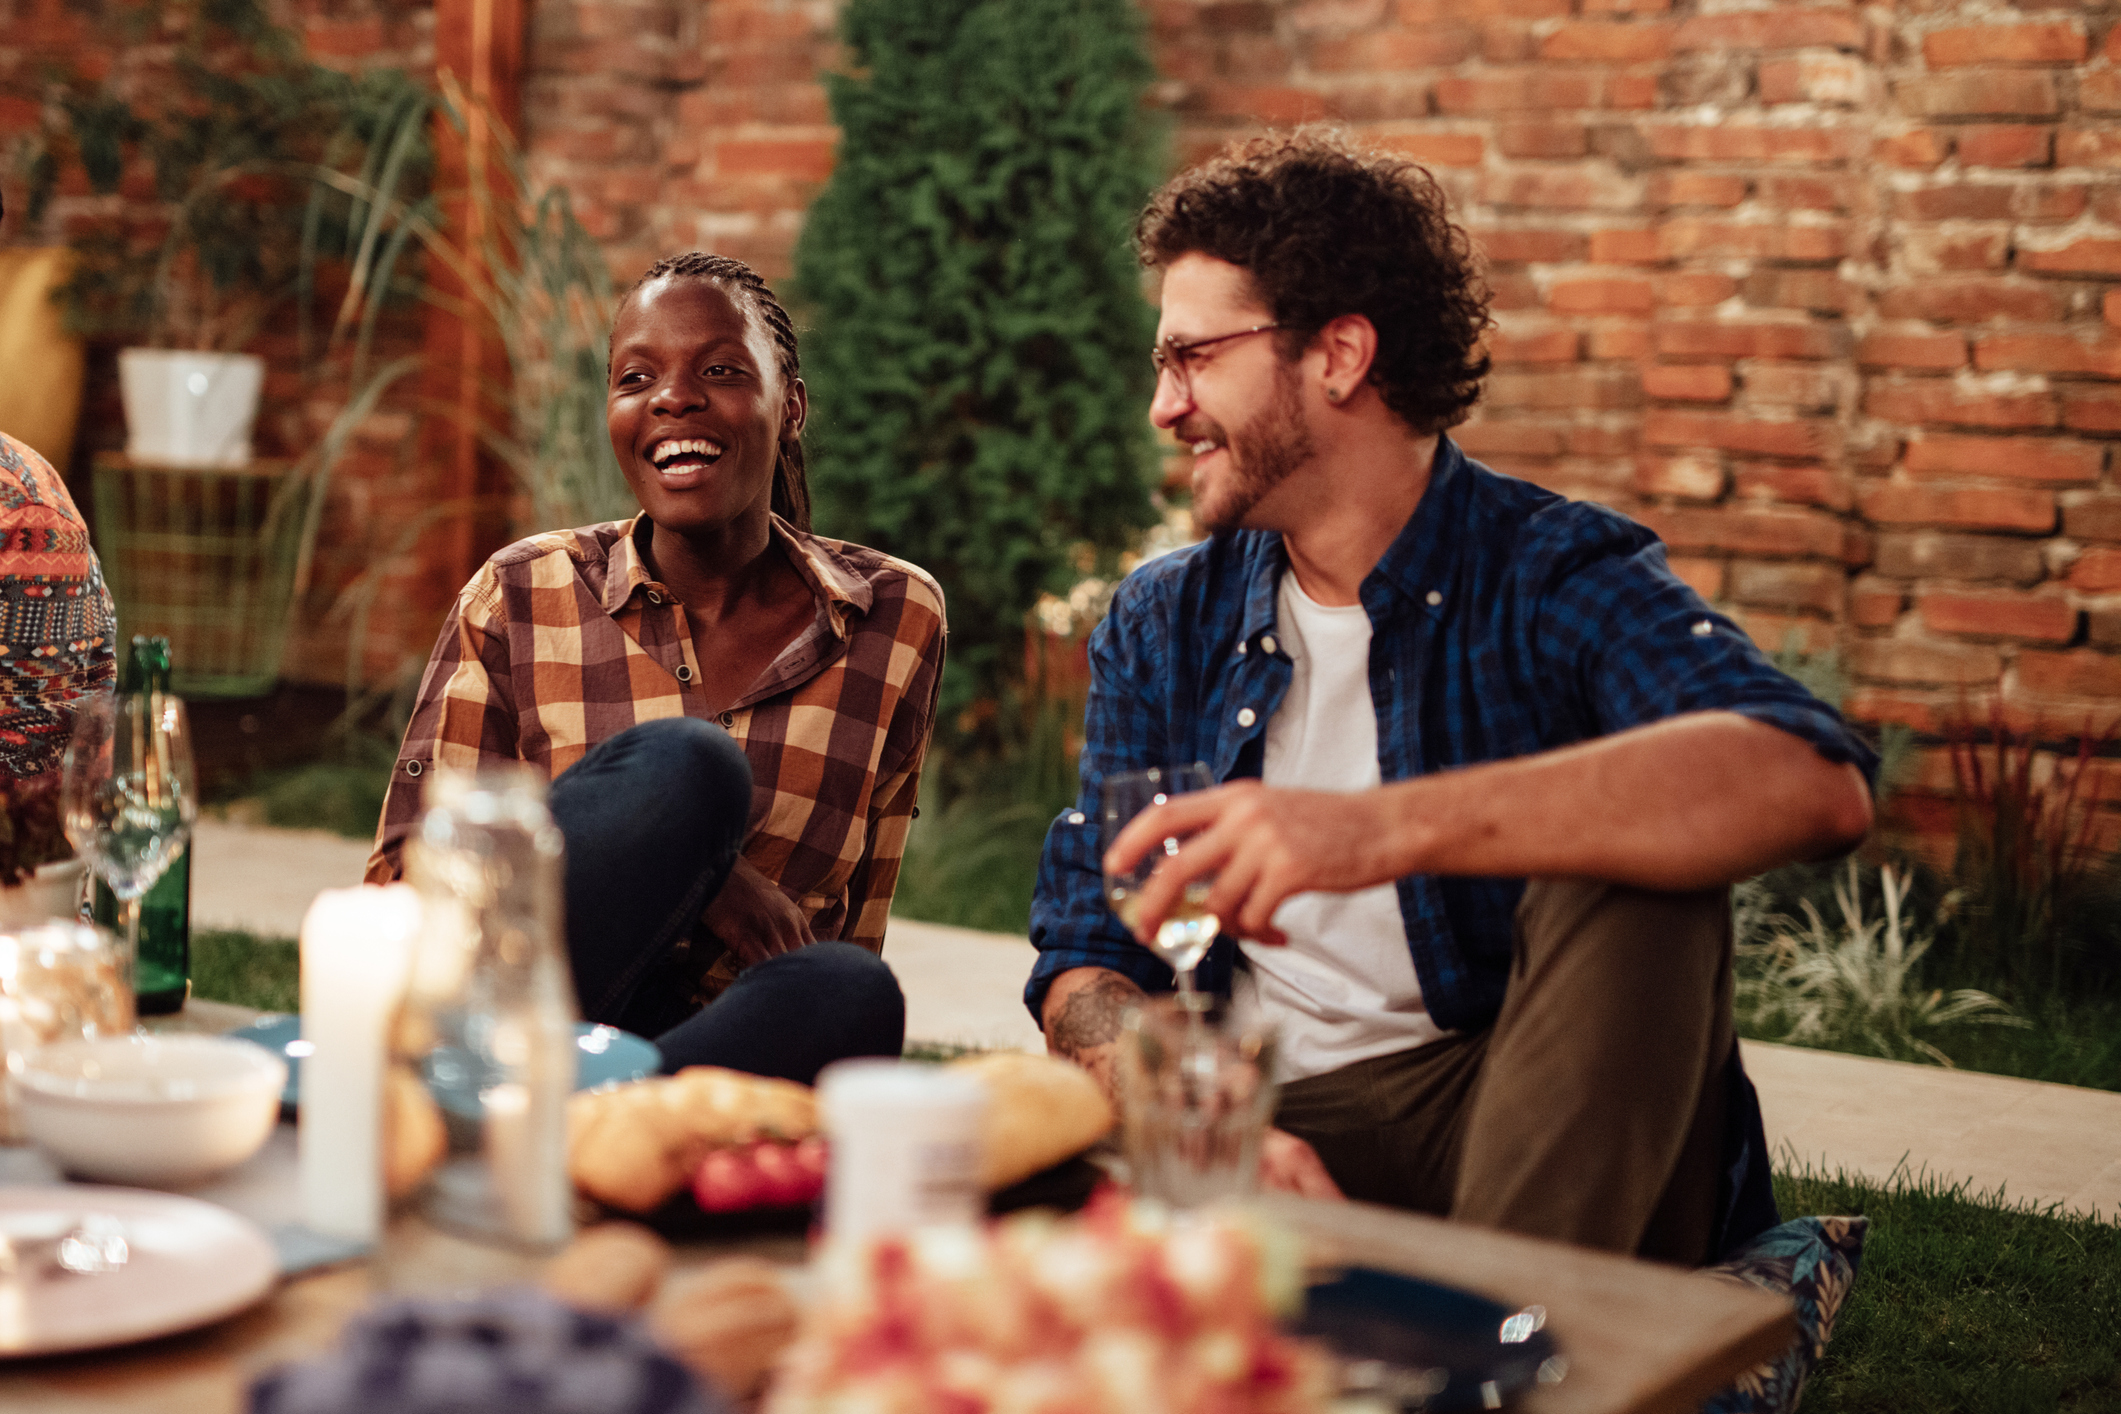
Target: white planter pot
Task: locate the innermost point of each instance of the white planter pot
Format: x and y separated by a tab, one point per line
54	891
189	409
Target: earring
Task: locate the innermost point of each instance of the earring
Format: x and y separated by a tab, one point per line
1332	395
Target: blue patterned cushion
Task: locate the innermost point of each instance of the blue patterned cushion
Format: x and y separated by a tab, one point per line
1813	1262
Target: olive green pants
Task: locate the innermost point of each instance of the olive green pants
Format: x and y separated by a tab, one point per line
1591	1112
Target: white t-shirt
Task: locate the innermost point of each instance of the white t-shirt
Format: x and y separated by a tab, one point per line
1344	989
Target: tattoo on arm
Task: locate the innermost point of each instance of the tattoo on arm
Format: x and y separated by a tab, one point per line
1090	1017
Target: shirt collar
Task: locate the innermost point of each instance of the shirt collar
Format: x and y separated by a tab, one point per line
838	587
1420	561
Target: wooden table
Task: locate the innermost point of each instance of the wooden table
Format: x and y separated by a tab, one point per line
1638	1338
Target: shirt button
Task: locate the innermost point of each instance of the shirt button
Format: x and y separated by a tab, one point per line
729	719
1241	645
1435	597
1075	817
654	598
1267	643
1246	716
413	768
1704	629
684	672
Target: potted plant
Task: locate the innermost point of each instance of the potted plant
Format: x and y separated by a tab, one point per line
39	876
227	143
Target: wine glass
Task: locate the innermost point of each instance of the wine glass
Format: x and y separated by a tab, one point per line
1186	933
128	798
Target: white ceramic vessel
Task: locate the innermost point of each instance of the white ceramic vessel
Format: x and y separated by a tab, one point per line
157	1110
189	409
52	891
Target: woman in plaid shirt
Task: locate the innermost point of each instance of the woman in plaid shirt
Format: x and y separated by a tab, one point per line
733	710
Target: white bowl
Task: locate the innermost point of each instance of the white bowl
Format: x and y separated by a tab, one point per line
161	1110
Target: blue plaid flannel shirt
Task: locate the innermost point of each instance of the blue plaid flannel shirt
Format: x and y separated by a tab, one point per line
1506	621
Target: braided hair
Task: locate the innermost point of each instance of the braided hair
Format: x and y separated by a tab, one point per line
791	488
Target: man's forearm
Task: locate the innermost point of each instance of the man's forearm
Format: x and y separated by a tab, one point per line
1082	1015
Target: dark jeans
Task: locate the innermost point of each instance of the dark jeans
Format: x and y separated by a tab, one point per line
654	818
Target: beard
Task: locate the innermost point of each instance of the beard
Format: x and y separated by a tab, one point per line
1262	454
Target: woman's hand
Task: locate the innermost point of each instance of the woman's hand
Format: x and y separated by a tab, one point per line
755	918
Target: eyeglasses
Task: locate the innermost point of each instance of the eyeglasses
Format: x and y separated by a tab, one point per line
1176	359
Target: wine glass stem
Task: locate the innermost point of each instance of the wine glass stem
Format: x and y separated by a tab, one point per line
130	909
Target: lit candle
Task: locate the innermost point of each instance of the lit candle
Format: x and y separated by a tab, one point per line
356	950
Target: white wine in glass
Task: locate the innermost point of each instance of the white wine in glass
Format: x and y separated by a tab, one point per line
1187	932
128	799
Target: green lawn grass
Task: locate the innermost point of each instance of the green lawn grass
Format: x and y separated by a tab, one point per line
1967	1302
229	965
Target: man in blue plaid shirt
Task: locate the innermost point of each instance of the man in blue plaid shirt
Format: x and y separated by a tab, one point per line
1489	766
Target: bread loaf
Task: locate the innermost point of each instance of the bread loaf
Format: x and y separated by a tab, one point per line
1041	1110
634	1146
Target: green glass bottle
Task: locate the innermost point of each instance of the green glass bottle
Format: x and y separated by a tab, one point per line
162	970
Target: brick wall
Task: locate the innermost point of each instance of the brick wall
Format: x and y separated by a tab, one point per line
1826	294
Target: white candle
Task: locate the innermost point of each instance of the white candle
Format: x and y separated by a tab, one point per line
356	950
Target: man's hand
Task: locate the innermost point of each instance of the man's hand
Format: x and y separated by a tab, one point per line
1289	1165
755	918
1262	844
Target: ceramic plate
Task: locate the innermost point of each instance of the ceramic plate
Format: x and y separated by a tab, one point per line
188	1263
602	1054
1421	1346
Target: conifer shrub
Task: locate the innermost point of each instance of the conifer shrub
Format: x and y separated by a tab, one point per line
978	349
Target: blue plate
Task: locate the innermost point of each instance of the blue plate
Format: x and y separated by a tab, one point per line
602	1054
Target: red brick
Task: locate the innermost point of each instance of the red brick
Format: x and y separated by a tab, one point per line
2097	571
2098	519
1780	28
1541	346
1704	577
1690	382
1955	201
1814	78
1820	588
1875	603
1820	290
1634	92
2088	147
2099	90
1971	301
1517	246
1581	188
2083	673
2057	43
1913	350
1745	142
1550	140
1268	103
1976	508
1747	531
2091	409
1695	289
2110	307
1601	296
1688	236
2042	460
1626	7
1519	91
1431	12
1735	338
1434	149
1701	189
1507	42
1913	662
2006	145
1620	341
803	161
1926	712
1936	400
1955	248
1577	387
1610	43
1998	613
1795	485
1794	438
1508	439
1917	149
1637	246
2088	255
1393	49
1801	387
2000	92
1692	478
2050	353
1589	441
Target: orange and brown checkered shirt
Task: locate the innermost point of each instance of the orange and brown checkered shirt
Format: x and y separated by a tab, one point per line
564	639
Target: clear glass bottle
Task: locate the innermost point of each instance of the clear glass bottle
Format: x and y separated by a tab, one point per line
483	1047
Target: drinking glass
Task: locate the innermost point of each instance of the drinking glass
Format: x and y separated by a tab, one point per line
1185	935
128	800
1196	1094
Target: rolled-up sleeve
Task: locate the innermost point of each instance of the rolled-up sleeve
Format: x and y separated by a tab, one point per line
1122	731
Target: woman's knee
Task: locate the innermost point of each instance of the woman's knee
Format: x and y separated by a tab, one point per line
674	774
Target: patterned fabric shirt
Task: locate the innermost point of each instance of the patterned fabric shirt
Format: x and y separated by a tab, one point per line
1505	620
58	635
565	639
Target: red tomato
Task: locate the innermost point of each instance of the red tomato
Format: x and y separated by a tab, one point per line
727	1182
784	1181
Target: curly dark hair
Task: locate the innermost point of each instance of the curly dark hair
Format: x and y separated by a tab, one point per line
791	486
1325	228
